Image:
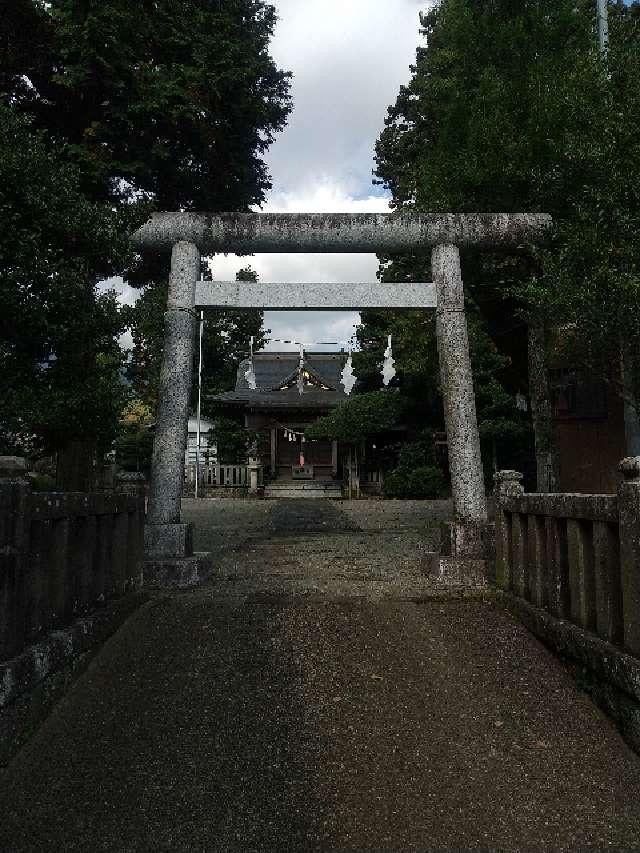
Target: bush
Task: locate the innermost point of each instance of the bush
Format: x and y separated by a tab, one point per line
42	482
425	482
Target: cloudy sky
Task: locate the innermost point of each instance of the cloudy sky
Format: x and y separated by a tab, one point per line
348	58
348	61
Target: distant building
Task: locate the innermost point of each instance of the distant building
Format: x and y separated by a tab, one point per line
589	432
207	451
280	413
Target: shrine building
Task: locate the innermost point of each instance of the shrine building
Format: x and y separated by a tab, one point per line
290	394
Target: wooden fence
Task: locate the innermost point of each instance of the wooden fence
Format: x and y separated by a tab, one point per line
61	555
576	556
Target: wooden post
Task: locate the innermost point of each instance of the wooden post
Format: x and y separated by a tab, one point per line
15	524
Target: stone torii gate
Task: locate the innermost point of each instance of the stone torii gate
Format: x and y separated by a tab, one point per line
188	235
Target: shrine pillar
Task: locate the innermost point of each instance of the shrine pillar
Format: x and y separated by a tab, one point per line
165	535
465	463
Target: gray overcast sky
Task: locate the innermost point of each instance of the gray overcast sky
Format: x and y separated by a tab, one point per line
348	58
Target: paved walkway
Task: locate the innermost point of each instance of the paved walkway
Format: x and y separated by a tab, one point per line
228	720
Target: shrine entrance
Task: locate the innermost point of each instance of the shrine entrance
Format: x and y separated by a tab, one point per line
188	235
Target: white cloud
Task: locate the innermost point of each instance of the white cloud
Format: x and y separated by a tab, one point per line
288	267
321	196
320	330
127	295
348	60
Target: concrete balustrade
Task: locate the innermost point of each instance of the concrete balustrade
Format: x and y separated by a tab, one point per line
569	567
573	555
61	556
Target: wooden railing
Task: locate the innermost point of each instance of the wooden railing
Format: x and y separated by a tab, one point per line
576	556
61	555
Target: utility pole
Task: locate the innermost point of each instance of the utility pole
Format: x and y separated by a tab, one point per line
199	404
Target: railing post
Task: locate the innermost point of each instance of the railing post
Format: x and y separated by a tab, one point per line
581	573
508	484
133	484
557	566
15	525
254	469
606	559
629	520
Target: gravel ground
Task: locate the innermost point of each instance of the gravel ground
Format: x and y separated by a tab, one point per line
269	722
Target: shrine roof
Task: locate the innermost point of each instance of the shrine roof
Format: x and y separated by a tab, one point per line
274	370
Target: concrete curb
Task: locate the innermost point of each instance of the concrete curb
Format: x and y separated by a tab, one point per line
33	681
610	675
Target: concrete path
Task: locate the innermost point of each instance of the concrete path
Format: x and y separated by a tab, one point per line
228	720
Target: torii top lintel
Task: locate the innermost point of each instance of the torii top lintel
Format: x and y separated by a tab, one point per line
339	232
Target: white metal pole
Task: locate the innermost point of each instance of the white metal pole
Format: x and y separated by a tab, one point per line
199	404
603	26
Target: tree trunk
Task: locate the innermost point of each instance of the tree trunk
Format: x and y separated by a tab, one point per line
547	473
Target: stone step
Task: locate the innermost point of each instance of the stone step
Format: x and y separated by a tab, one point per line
304	489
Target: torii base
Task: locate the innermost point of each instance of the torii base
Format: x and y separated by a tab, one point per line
177	572
466	557
170	561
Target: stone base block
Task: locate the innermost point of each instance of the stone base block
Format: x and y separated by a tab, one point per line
458	572
467	539
168	541
177	572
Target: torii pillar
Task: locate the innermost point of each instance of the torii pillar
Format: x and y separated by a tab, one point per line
465	537
168	540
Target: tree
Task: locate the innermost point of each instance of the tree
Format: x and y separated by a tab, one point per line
134	443
358	417
233	442
61	363
133	107
509	108
173	99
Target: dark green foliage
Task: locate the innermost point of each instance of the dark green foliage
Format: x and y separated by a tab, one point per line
60	377
173	98
415	473
358	417
510	108
426	482
232	440
134	442
133	106
42	482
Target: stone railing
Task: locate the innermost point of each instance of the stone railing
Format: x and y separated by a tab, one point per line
214	476
62	555
575	556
